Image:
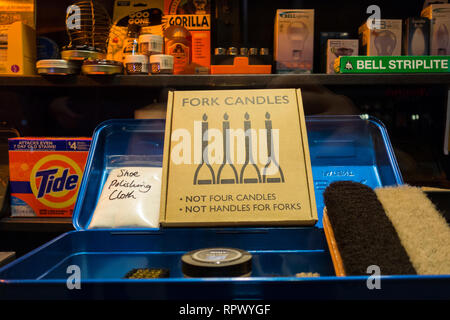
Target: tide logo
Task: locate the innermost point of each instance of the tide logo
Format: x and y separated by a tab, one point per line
54	181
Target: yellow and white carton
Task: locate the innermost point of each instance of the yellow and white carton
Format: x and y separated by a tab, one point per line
17	49
237	157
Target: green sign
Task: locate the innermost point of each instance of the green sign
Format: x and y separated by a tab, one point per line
392	64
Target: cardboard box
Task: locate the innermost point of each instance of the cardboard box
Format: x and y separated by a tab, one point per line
236	157
383	41
45	175
18	10
294	40
416	37
17	49
340	47
439	16
192	20
146	13
323	41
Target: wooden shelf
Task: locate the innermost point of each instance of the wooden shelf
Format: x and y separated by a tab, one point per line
225	81
36	224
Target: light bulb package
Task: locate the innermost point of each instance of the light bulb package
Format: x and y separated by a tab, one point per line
439	16
337	48
294	40
382	40
416	39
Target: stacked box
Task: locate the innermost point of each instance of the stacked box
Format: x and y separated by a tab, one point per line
45	174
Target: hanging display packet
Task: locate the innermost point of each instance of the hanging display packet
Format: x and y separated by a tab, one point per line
130	196
237	157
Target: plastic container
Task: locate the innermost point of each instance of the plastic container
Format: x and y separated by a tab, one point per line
341	148
136	64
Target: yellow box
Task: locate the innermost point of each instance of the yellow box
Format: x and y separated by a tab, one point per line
236	157
17	49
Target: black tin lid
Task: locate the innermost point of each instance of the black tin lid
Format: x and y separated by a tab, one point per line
217	262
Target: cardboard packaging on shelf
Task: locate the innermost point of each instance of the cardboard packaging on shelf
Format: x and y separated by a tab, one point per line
439	16
337	48
18	10
416	37
188	35
257	171
294	40
17	49
45	174
146	13
382	40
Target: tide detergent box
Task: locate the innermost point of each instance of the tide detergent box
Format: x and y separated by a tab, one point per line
45	174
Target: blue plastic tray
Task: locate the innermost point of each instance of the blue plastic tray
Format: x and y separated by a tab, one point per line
342	148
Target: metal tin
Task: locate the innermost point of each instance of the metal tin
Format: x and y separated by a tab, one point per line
82	53
56	67
217	262
101	67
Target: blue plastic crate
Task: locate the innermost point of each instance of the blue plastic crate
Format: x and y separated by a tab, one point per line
341	148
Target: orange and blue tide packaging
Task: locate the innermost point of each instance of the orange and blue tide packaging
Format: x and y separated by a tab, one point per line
45	174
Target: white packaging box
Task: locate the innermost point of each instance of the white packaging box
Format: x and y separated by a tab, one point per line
294	40
340	47
383	41
439	15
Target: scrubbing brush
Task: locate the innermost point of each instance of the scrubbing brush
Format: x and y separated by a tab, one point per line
395	228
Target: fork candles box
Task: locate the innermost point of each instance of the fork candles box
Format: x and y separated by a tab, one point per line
237	157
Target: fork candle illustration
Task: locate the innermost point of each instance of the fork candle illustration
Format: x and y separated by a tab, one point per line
270	154
226	154
204	160
248	154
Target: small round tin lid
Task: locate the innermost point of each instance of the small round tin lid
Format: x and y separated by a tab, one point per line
217	262
54	63
101	62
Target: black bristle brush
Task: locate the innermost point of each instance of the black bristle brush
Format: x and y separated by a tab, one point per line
396	228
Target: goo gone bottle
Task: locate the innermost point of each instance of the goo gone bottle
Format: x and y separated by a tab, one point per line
179	45
131	45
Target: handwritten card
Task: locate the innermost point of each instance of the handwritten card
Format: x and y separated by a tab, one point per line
130	199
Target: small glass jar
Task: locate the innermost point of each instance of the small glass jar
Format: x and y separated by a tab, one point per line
150	44
253	52
161	64
232	51
219	51
136	64
243	51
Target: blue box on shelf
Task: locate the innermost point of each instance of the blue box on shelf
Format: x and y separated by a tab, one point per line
341	148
